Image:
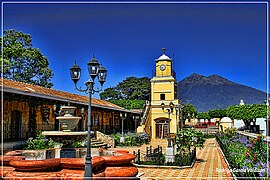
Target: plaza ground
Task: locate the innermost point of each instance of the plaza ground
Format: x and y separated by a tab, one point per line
209	159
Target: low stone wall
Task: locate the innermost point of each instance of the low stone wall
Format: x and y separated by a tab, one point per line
106	139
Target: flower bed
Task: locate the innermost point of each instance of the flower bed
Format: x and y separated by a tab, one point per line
246	157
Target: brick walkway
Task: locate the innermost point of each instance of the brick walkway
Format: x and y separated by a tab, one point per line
209	159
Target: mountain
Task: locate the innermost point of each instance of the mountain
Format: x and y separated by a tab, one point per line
215	92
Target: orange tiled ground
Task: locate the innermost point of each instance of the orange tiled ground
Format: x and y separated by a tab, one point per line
209	158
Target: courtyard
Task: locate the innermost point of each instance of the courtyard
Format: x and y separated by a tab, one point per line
134	90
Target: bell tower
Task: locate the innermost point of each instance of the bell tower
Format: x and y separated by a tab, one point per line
163	65
163	90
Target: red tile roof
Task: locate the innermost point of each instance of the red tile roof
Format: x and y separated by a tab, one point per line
38	91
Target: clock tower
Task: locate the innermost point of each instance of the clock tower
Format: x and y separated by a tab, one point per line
163	90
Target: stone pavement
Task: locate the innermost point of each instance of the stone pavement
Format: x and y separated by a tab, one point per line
208	160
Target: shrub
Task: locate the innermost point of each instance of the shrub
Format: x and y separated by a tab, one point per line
230	132
39	143
80	144
131	139
189	138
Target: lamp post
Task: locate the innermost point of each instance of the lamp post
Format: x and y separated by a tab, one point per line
178	109
122	116
94	70
169	155
169	111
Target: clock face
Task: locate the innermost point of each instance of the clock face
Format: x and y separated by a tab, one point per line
162	67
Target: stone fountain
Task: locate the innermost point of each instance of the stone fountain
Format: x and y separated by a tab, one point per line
110	164
67	136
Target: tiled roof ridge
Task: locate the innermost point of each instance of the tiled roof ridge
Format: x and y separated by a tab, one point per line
73	94
42	87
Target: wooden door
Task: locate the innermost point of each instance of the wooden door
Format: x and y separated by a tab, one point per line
16	124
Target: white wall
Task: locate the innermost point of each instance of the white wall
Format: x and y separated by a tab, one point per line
259	121
262	123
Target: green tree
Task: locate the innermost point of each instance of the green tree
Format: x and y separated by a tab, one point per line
22	62
130	93
217	113
248	112
110	94
203	115
129	104
189	112
134	88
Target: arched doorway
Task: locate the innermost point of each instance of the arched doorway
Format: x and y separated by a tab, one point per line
16	124
161	128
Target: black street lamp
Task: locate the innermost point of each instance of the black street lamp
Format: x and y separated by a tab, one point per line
94	70
169	111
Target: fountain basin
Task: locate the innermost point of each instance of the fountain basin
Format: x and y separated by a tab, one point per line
14	153
66	138
68	110
6	159
68	123
35	165
74	167
118	160
34	154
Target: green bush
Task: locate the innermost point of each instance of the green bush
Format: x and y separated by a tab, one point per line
131	139
39	143
80	144
189	138
230	132
207	136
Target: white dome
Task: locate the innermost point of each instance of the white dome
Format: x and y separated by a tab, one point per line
226	120
163	57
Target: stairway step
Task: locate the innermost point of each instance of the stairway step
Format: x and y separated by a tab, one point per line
98	144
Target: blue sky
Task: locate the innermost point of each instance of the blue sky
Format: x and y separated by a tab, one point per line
224	39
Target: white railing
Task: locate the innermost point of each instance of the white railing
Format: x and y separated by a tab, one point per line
105	139
252	135
145	113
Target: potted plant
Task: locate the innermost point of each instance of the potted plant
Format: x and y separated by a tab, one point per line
35	149
80	148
